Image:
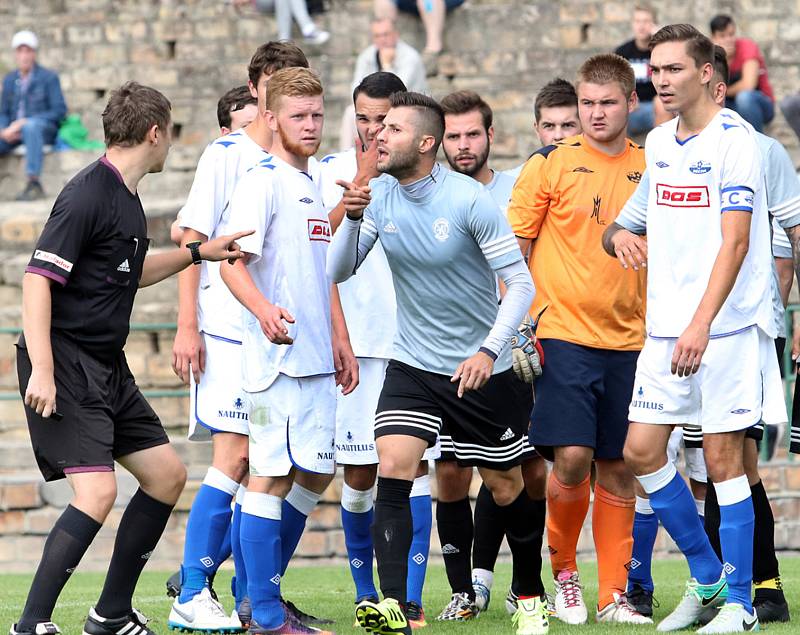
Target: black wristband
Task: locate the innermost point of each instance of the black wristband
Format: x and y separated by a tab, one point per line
491	354
355	218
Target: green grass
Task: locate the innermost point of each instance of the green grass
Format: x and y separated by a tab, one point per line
327	591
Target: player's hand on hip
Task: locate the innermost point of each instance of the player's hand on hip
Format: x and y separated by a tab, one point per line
689	350
272	321
473	373
630	249
367	161
355	197
188	354
224	247
346	365
40	394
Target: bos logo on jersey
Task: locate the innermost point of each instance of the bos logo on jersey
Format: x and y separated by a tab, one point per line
682	195
701	167
319	229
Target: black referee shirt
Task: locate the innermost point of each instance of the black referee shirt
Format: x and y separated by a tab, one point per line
93	245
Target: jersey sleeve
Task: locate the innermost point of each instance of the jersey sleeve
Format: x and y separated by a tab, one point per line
742	170
633	215
783	187
530	198
781	247
492	233
66	233
252	207
206	200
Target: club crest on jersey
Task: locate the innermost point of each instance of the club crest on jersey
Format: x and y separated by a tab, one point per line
682	195
441	229
701	167
319	229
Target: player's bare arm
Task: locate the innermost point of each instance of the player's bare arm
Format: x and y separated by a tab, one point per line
188	350
40	393
366	160
525	246
344	359
355	199
794	238
270	316
693	341
157	267
629	248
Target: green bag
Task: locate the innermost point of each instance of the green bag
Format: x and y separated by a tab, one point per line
74	134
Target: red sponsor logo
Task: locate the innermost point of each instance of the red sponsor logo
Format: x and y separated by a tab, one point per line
319	229
682	195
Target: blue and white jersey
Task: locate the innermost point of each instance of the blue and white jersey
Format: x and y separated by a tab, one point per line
444	246
500	188
287	264
367	298
221	166
692	183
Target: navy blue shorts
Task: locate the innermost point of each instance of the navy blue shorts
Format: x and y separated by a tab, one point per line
582	398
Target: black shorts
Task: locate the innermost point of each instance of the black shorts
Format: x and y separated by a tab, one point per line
448	453
582	398
693	435
105	416
486	426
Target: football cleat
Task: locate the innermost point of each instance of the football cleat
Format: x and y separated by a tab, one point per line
696	599
620	611
569	604
483	594
460	609
290	627
132	624
769	611
301	616
511	601
244	613
202	614
641	599
531	617
732	618
384	618
415	615
42	628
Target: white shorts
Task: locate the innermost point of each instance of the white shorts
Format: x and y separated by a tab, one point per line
292	424
725	395
694	458
217	403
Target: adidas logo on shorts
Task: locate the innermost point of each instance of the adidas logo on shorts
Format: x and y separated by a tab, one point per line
449	550
508	434
124	267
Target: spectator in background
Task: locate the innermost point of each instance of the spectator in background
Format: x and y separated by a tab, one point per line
790	107
432	13
391	54
284	11
555	113
637	51
749	91
31	107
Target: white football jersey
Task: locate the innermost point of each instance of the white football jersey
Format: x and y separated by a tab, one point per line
368	298
223	162
692	184
287	263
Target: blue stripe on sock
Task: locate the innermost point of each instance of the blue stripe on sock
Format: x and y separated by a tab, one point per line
675	508
420	546
645	530
358	541
736	537
261	546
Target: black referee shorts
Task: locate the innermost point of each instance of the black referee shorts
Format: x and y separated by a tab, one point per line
448	453
105	416
693	435
486	426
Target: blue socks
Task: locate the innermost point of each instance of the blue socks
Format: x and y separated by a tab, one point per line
645	530
297	506
736	537
208	522
260	538
672	502
422	518
239	581
357	515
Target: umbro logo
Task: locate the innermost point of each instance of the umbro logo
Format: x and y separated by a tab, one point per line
307	200
390	228
449	550
728	569
207	562
508	434
276	579
418	558
661	164
634	564
583	170
124	267
146	556
740	411
357	563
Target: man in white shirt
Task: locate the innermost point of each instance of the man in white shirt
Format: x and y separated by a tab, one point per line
709	269
294	341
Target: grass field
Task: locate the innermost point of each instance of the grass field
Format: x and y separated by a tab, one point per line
327	591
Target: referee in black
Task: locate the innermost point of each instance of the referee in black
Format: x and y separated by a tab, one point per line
82	404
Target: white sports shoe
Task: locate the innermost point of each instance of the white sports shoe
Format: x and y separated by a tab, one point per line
317	36
483	594
621	612
570	607
696	599
732	618
202	613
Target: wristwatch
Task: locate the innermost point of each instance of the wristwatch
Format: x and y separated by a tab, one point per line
194	248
